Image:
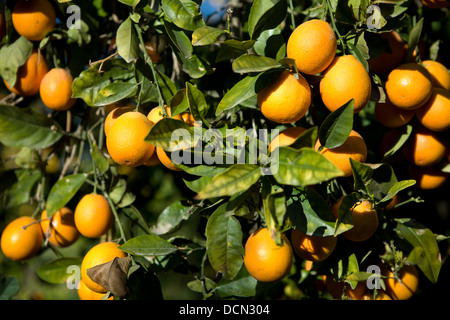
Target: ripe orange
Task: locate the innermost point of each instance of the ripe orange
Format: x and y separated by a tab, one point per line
435	113
93	216
126	140
313	248
157	114
424	148
409	86
285	100
84	293
341	290
365	221
99	254
440	77
286	137
20	243
406	287
354	147
33	19
391	116
165	160
189	119
312	45
345	79
114	114
29	75
154	160
428	178
264	259
60	228
391	58
56	89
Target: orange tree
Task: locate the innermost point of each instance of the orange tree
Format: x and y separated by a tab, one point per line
183	214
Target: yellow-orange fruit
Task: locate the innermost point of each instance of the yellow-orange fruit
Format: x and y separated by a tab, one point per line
313	248
435	113
33	19
60	227
424	148
440	76
56	89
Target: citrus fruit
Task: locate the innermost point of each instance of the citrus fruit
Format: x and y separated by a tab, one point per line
189	119
435	113
342	290
391	116
406	287
392	56
114	114
365	220
56	89
312	45
152	51
84	293
408	86
165	160
440	77
126	139
264	259
99	254
285	100
286	137
154	160
428	178
29	75
314	248
33	19
345	79
93	215
157	114
381	295
354	147
22	238
424	147
60	227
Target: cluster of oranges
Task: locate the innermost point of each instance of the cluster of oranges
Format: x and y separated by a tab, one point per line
23	237
33	20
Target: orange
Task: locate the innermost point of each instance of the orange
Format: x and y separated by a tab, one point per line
152	51
93	216
428	178
165	160
345	79
29	75
285	100
33	19
189	119
60	228
424	148
157	114
435	113
342	290
354	147
408	86
113	115
313	248
312	45
154	160
264	259
84	293
440	77
391	116
435	4
406	287
381	295
286	137
365	221
99	254
126	139
20	243
56	89
391	58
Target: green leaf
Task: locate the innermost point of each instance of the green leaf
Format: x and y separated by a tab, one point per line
164	134
206	35
148	245
127	41
238	178
403	136
100	161
27	128
265	15
20	191
171	217
427	256
303	167
12	57
57	271
242	285
253	63
197	103
9	286
396	188
344	221
224	242
183	13
63	191
274	202
337	126
116	91
413	39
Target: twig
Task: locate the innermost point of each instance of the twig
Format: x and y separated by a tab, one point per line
102	61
